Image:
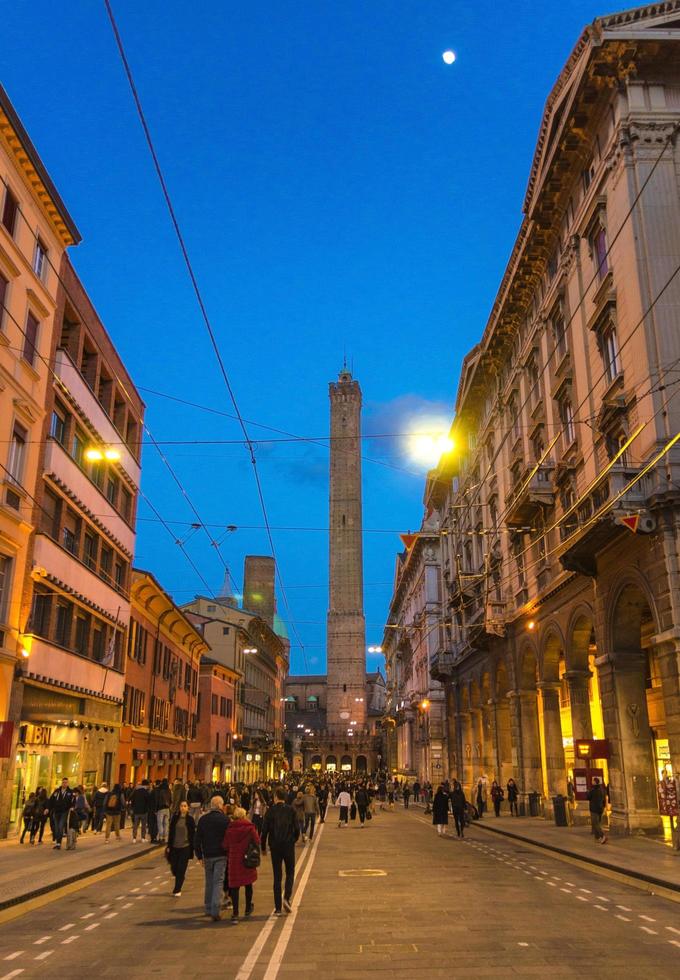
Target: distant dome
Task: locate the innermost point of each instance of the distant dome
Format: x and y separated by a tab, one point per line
280	627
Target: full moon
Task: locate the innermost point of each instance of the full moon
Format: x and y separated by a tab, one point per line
449	57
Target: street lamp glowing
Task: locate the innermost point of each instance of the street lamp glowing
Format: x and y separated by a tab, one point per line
531	625
250	649
424	704
112	455
375	649
93	455
449	57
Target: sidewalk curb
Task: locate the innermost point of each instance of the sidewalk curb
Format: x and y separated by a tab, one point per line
66	885
636	876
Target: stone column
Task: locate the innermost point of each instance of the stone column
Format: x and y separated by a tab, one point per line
492	756
532	773
579	700
516	736
632	779
465	765
552	737
477	746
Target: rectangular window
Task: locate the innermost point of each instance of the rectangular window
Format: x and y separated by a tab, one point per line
5	576
4	289
213	704
157	657
126	505
598	245
78	450
559	333
567	420
97	473
40	259
98	644
106	563
119	575
82	633
62	629
225	631
223	707
70	531
10	212
17	454
111	489
609	348
30	339
40	614
90	550
58	425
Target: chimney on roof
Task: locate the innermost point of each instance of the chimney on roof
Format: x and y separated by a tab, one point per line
258	587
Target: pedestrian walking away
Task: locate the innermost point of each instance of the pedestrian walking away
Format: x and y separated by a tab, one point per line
180	849
280	831
362	801
458	804
597	799
240	838
210	852
440	810
311	811
139	804
406	794
344	801
113	808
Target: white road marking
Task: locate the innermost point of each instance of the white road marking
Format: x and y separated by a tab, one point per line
647	918
624	918
552	883
104	907
602	908
155	889
570	883
70	939
673	929
586	890
128	905
522	944
624	908
567	890
253	956
14	973
652	932
88	916
276	959
133	890
43	939
111	915
13	956
582	898
69	925
673	942
43	956
93	925
602	898
119	897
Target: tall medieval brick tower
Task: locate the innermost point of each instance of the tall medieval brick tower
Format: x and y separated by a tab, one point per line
346	631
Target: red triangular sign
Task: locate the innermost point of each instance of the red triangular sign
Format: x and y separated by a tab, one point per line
631	522
408	540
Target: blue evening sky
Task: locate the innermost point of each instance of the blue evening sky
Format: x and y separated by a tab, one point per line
340	188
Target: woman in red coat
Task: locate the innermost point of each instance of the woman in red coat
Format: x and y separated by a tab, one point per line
237	837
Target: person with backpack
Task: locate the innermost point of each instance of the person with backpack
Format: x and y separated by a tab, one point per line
114	804
139	805
98	800
280	830
242	845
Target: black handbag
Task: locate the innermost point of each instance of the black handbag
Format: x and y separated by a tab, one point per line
251	858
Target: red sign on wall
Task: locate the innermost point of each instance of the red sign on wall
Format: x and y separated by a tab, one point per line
6	738
583	781
591	748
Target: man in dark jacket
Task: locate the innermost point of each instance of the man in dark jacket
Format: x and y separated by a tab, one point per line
139	803
209	849
596	803
280	829
61	801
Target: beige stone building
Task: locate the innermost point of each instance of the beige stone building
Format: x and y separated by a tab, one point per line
415	723
251	641
35	230
560	623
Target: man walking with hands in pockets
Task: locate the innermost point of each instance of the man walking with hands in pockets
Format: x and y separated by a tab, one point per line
280	831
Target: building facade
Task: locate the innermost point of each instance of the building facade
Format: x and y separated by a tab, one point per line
213	750
310	743
159	731
76	594
415	722
560	624
255	647
35	231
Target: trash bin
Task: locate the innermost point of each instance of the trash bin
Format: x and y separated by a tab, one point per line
560	811
534	804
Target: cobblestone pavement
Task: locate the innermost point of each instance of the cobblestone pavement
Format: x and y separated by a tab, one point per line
392	899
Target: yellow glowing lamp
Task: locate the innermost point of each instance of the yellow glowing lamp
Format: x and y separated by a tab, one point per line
112	455
94	455
531	625
425	704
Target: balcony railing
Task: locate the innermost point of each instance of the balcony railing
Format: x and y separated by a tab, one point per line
530	494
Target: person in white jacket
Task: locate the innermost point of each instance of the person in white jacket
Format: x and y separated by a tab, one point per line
344	801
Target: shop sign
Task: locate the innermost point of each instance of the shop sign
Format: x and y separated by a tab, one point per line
37	703
591	748
668	797
38	735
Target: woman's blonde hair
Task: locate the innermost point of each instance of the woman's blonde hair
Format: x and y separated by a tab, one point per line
238	813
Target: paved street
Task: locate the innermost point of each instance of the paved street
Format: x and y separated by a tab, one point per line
443	906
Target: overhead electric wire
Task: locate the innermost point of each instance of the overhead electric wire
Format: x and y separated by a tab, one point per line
201	303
